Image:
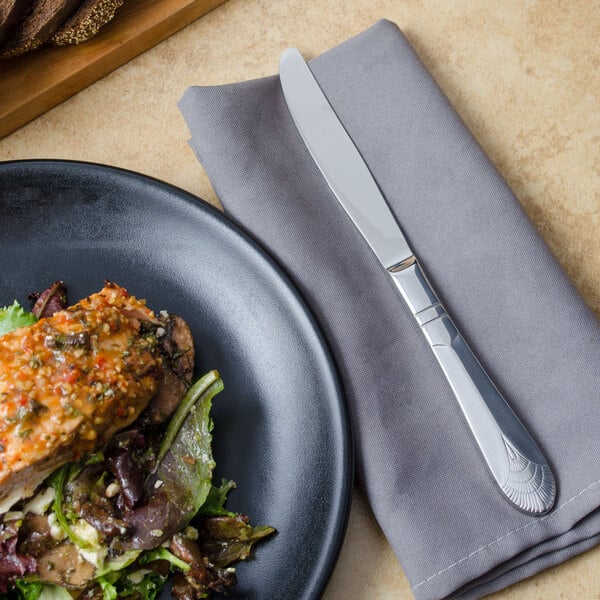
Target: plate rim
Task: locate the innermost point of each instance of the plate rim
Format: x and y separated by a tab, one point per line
335	540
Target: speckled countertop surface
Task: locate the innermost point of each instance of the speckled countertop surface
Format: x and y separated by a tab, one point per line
523	75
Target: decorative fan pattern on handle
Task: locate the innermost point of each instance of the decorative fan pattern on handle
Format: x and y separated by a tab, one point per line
529	485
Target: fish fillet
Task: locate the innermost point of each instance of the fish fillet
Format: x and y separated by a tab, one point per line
69	382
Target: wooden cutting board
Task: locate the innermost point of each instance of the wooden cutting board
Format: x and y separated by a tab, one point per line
33	83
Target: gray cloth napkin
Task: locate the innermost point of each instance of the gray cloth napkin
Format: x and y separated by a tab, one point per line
453	532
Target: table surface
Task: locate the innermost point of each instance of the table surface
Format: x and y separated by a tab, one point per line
522	74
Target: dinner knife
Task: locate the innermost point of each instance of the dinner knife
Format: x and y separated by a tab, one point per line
513	458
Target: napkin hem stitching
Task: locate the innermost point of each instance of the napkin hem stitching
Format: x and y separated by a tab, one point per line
518	529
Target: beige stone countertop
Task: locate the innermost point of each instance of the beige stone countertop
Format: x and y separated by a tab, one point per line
523	75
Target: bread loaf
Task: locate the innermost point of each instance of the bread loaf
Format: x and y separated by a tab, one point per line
86	21
11	12
40	23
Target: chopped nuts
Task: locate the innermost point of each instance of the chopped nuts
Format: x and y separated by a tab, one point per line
112	489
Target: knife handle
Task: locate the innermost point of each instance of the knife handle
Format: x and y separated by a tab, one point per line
512	456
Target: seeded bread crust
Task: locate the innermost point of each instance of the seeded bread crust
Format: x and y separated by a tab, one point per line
86	22
11	12
40	23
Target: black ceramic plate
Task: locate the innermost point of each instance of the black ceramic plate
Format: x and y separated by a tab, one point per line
281	430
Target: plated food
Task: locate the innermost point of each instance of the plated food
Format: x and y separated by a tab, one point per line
281	424
105	455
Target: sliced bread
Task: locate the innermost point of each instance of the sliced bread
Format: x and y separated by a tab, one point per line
40	23
86	21
11	12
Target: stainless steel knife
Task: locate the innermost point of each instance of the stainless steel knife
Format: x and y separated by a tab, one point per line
514	459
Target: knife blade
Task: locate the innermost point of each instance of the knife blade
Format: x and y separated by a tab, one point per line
512	456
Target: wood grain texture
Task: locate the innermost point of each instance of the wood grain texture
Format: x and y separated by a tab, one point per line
33	83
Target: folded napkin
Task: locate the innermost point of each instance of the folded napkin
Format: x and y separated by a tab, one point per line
453	532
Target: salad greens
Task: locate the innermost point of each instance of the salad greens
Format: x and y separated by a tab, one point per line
139	584
34	590
135	548
57	481
13	317
29	590
181	480
117	523
214	505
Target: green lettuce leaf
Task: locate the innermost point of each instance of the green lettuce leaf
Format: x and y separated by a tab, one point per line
143	585
215	501
57	481
119	563
35	590
54	592
109	591
28	590
186	467
161	553
182	479
13	317
224	540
